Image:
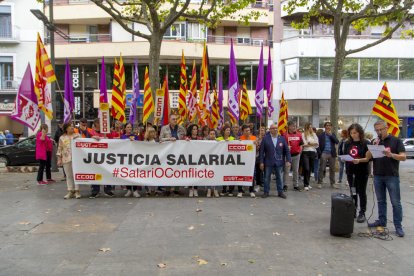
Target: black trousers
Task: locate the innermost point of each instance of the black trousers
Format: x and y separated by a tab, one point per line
307	166
45	165
97	188
358	185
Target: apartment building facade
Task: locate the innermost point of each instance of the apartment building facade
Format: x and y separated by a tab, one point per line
304	62
91	33
18	29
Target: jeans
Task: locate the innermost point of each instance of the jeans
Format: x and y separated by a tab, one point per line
392	184
97	188
307	165
316	168
295	171
279	182
341	170
322	164
358	186
45	164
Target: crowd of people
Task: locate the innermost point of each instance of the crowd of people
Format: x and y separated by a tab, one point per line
299	152
6	138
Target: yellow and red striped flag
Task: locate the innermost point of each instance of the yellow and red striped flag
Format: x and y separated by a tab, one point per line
44	75
245	107
204	103
118	100
215	111
148	99
385	109
182	107
283	115
192	97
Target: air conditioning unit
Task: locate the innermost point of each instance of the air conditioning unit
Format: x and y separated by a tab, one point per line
257	42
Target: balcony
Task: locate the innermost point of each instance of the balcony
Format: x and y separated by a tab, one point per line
84	38
9	35
245	41
7	84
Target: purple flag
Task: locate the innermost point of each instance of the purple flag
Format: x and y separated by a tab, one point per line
69	101
233	104
133	109
26	111
269	86
259	98
220	101
103	96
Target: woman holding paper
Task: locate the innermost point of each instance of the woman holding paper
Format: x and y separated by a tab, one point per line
357	170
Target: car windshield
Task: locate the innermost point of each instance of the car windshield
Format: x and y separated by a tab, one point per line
28	143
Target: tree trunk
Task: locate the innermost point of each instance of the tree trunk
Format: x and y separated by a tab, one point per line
154	61
336	85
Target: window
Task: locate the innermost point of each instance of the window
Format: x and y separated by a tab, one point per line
368	69
196	31
175	31
5	22
308	68
93	33
406	69
6	72
291	69
326	68
388	69
243	40
350	70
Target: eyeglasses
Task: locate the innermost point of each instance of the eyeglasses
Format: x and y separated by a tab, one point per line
379	130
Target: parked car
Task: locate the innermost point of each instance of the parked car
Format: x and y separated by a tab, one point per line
20	153
409	147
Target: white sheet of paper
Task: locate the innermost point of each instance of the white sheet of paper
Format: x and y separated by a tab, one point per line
346	158
377	151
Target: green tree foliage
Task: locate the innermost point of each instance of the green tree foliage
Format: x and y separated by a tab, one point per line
345	15
159	15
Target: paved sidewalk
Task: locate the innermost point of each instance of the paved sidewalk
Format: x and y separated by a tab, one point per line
42	234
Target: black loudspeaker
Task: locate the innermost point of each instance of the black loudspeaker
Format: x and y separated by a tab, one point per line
342	215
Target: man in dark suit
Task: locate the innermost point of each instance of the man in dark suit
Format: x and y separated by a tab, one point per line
327	142
274	152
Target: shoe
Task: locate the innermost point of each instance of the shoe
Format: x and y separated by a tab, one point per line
70	194
399	232
93	195
239	194
376	223
42	183
339	182
282	195
77	194
319	186
257	188
285	188
297	189
191	192
252	195
136	194
128	194
208	192
306	188
265	195
335	186
361	218
195	193
51	181
109	193
230	194
216	193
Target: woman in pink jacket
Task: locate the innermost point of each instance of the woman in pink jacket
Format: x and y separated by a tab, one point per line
44	147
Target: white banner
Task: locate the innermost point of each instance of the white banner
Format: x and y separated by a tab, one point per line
179	163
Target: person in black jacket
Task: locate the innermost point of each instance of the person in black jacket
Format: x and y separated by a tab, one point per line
327	142
357	171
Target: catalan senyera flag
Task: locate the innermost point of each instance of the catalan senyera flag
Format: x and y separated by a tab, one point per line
204	104
245	107
192	96
385	109
214	119
44	75
182	106
283	115
148	99
118	99
166	111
